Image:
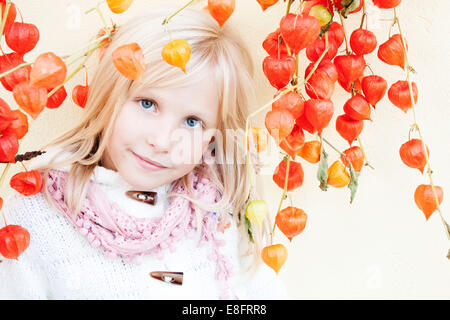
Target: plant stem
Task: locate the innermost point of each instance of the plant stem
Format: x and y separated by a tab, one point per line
4	219
20	66
364	153
332	146
288	7
347	48
364	16
101	17
99	39
268	104
429	171
4	173
93	8
286	179
320	58
73	73
297	60
166	20
4	17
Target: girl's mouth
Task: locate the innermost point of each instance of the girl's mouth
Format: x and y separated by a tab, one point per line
148	164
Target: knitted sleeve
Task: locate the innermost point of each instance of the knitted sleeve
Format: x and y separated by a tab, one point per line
24	278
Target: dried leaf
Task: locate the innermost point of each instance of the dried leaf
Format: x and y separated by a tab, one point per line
28	155
322	172
348	6
248	229
353	184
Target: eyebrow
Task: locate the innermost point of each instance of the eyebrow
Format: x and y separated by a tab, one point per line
194	111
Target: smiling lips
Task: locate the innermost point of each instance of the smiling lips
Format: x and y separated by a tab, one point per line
149	164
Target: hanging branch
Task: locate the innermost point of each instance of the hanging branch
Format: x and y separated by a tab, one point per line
348	52
88	51
364	15
416	124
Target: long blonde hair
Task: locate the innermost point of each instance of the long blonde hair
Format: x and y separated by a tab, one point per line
219	51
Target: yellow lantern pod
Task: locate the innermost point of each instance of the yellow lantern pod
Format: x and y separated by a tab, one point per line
119	6
177	53
256	211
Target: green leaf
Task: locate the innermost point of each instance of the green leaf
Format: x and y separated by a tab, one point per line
353	184
322	172
248	229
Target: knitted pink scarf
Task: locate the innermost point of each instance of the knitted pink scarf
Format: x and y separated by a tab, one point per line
109	228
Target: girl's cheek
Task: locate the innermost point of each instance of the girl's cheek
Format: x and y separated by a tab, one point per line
187	149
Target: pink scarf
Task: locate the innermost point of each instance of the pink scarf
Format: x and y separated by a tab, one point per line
111	229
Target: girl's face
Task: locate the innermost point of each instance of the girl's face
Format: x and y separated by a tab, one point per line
160	135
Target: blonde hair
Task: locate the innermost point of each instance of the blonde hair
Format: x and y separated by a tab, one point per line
219	51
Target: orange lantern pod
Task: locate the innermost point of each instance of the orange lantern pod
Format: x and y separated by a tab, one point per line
19	126
266	3
14	240
11	14
338	177
413	155
9	146
177	53
392	51
293	142
32	100
425	199
48	71
221	10
129	60
400	96
27	183
80	95
57	98
291	221
119	6
295	176
310	151
279	123
274	256
356	157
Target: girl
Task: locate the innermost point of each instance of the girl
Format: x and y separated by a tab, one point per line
148	186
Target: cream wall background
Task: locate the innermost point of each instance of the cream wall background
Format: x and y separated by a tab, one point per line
379	247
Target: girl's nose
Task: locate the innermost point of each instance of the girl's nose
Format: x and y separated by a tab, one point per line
160	140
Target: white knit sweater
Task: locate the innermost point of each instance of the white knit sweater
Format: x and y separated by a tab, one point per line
60	263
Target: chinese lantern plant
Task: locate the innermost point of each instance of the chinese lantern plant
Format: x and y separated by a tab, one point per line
177	53
34	86
403	94
80	93
291	221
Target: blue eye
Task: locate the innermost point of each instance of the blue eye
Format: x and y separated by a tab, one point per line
146	104
193	122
